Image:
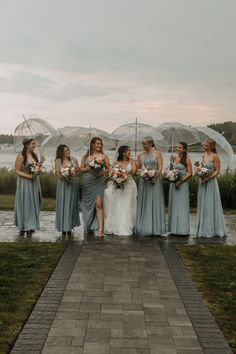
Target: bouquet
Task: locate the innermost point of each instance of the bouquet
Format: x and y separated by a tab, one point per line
68	172
148	174
118	176
97	164
173	175
35	168
201	170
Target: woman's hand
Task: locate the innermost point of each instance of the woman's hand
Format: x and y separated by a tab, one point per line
178	184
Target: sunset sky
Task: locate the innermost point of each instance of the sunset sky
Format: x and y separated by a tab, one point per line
105	62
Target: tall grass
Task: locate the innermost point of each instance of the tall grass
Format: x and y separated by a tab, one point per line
227	185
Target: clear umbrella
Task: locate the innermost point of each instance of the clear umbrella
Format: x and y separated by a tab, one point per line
77	138
36	128
175	132
222	145
133	134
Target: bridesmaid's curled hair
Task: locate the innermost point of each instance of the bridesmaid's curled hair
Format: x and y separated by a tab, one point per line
92	142
149	139
60	151
26	143
121	151
212	144
185	153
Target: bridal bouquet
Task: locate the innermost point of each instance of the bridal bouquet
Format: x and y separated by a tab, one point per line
173	175
118	176
97	164
35	168
201	171
148	174
68	172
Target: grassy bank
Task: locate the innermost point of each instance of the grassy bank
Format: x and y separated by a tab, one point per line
7	203
22	263
227	185
213	268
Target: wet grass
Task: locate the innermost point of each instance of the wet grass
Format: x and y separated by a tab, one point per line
24	271
7	203
213	268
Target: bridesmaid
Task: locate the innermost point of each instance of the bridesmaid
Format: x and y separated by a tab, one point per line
210	217
93	187
178	208
67	195
28	191
151	207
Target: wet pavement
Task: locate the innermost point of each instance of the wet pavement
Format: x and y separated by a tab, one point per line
47	232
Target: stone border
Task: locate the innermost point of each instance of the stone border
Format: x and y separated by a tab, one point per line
34	333
209	334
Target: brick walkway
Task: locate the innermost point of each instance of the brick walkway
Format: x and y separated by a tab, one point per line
124	296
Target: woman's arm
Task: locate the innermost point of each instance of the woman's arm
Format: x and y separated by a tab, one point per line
138	162
107	169
18	164
159	159
216	161
134	168
188	174
83	167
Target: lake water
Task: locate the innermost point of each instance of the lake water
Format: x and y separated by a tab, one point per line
8	156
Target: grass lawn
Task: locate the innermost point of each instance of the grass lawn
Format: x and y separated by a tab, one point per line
24	271
7	203
213	268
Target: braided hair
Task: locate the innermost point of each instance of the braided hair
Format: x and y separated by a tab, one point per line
212	144
26	143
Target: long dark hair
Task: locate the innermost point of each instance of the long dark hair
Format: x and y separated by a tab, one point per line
92	142
122	149
184	154
149	139
60	151
26	143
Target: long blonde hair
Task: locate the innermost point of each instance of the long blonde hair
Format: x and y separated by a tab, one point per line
212	144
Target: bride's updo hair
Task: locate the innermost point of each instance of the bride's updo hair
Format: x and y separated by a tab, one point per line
212	144
121	151
149	139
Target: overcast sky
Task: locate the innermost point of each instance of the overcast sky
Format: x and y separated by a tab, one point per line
105	62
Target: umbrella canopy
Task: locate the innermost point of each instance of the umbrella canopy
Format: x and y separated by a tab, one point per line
132	134
77	138
174	133
36	128
222	145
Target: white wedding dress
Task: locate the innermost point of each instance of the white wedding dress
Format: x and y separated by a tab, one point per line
120	208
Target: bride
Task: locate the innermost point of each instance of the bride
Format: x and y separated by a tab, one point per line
120	204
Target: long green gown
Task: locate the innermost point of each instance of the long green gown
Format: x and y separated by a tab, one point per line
151	206
67	201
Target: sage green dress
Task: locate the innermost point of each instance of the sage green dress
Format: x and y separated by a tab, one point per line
27	202
67	201
151	206
93	186
178	207
210	217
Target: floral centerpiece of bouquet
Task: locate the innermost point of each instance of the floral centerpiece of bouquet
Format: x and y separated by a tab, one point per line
173	175
68	172
202	171
148	174
97	164
118	176
35	168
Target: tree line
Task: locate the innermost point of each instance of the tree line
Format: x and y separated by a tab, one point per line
228	129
